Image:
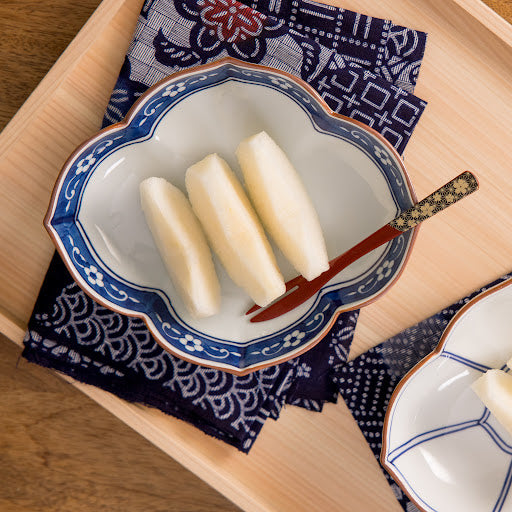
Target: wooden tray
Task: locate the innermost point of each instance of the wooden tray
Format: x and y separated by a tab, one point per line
305	461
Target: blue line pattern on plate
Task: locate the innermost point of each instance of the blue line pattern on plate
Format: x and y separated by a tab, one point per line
481	422
504	490
425	437
463	360
429	435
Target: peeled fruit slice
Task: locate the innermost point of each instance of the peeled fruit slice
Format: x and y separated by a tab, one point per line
494	388
182	245
283	204
233	229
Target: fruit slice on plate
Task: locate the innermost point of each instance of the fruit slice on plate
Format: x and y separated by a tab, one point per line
182	245
283	204
494	388
233	229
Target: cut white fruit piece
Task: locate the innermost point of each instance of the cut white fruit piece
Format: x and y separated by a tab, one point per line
233	229
283	204
182	246
509	363
494	388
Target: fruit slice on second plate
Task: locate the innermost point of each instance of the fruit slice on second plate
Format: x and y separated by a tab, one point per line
494	388
182	245
233	229
283	204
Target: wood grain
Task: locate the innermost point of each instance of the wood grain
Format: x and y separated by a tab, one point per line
304	461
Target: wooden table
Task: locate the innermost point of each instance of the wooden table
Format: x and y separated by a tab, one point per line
304	461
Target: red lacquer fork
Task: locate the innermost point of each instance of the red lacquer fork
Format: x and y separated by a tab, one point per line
298	290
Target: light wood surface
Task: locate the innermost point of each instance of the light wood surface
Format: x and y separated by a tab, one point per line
305	461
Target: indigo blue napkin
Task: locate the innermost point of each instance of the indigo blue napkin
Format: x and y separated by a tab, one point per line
363	67
367	382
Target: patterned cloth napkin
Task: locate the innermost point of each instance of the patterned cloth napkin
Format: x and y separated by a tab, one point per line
363	67
367	382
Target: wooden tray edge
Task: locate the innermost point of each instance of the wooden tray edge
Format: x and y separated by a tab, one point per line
11	329
489	18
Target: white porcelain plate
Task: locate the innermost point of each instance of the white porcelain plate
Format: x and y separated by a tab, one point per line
441	445
355	178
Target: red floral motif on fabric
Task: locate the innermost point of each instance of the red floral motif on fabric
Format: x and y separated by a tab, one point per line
230	20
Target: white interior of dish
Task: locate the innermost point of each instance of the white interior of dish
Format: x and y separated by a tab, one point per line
464	469
348	190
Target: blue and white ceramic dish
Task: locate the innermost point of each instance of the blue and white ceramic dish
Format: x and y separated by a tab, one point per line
355	178
440	443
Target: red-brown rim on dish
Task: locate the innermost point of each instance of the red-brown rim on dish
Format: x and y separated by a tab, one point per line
416	368
125	122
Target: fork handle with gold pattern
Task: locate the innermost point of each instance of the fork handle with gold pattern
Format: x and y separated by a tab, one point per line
456	189
301	290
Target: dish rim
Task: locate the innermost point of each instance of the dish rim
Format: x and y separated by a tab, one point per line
418	366
125	122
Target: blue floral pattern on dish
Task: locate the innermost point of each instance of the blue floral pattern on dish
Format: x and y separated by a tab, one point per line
162	317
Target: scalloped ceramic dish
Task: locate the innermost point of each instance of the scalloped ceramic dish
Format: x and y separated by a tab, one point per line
440	443
354	177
